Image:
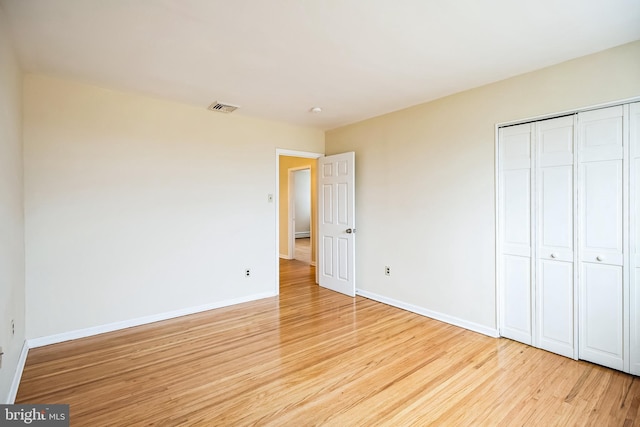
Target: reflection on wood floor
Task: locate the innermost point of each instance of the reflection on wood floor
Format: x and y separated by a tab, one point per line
303	249
312	357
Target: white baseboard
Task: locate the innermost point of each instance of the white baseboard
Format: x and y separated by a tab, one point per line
303	234
110	327
17	376
455	321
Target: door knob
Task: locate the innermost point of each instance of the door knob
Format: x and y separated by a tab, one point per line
554	255
600	258
350	230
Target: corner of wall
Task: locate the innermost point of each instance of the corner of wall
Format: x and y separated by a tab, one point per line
12	260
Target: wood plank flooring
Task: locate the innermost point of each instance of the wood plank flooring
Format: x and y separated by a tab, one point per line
302	249
315	357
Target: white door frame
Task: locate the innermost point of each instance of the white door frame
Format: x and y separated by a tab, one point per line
630	226
291	153
497	199
291	247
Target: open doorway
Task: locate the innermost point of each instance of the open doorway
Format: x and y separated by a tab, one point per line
288	162
299	230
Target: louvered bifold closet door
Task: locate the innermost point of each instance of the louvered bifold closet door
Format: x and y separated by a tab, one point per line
601	223
554	288
634	294
515	201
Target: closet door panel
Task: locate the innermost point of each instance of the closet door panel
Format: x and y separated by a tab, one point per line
516	323
635	209
600	135
514	180
601	255
555	142
601	308
555	313
515	147
601	212
635	324
555	236
556	213
634	294
517	212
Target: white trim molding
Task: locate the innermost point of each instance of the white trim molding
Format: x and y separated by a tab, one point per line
17	376
498	199
567	112
110	327
455	321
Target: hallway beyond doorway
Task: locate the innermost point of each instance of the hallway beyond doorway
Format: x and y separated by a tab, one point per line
303	250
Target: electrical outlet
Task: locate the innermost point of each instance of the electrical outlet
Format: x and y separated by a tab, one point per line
13	327
247	272
387	271
1	353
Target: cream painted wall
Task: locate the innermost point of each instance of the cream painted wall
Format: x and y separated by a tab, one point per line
12	283
137	206
286	163
425	198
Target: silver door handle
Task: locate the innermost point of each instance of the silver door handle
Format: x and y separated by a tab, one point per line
350	230
600	258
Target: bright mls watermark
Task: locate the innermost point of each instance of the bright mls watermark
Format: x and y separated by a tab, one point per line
34	415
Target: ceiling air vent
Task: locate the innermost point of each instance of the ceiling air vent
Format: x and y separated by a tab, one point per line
223	108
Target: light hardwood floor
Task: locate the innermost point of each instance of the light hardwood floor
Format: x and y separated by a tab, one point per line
303	250
315	357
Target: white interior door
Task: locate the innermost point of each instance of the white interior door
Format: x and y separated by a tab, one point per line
555	256
336	224
515	244
601	255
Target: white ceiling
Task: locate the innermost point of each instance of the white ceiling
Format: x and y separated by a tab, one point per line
278	58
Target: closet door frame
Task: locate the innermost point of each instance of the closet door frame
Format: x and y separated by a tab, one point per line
634	238
631	204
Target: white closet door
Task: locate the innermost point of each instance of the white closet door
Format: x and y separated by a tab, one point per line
600	173
635	239
555	256
515	243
